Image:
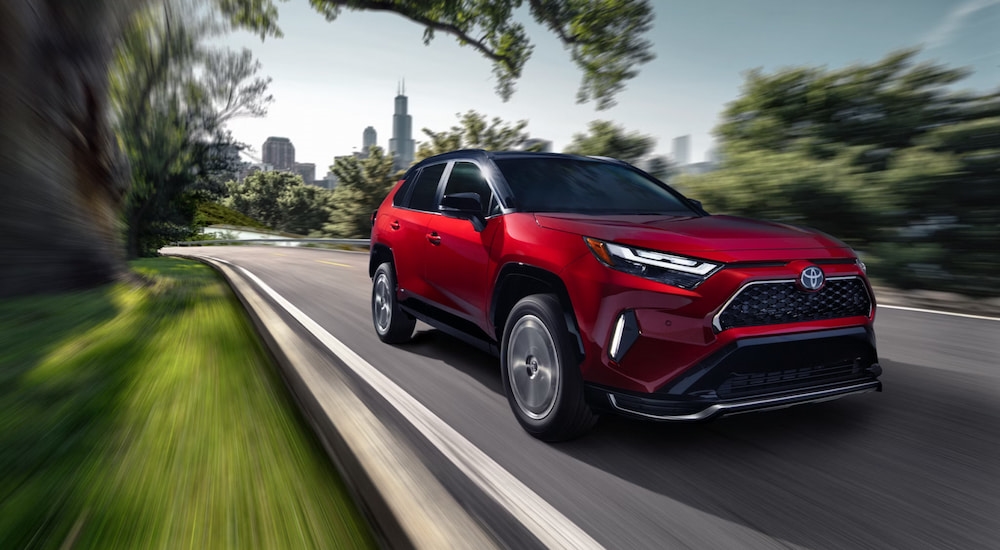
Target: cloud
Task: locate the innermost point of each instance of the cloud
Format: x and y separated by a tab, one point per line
943	33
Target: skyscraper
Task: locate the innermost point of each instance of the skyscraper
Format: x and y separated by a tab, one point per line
682	150
279	152
368	140
401	144
307	170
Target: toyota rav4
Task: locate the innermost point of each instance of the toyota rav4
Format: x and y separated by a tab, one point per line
602	289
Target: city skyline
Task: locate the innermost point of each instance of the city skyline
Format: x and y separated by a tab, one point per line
703	50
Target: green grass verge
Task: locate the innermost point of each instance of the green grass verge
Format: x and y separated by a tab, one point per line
153	418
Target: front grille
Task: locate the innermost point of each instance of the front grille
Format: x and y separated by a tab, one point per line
783	302
760	383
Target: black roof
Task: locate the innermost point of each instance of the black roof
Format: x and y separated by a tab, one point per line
482	154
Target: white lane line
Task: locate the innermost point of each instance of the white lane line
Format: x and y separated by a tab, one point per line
546	523
949	313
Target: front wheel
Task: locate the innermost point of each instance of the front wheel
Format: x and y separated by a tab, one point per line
540	373
392	324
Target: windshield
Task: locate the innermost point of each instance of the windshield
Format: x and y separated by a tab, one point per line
586	187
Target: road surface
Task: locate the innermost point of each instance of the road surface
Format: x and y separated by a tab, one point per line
917	466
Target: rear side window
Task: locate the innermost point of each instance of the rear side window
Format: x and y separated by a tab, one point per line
399	199
424	194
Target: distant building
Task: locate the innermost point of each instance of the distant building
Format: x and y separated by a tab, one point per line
713	155
307	170
401	146
537	144
682	150
329	181
369	139
279	153
249	168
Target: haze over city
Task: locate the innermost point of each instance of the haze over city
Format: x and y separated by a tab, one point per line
333	79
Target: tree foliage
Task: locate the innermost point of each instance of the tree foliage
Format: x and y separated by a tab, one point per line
607	139
171	97
605	38
889	156
474	131
362	184
280	200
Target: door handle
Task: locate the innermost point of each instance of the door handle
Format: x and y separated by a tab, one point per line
434	238
394	225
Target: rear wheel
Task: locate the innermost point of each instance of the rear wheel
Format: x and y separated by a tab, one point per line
540	373
392	324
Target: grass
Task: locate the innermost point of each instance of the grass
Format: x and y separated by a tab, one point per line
153	418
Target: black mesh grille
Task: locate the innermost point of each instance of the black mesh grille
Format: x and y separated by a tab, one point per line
759	383
775	303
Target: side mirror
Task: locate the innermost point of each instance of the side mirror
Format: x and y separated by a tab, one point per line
466	206
697	204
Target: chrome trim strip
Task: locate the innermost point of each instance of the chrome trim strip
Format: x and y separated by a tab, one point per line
763	404
715	319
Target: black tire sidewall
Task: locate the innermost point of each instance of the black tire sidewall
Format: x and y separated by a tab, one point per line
564	421
400	324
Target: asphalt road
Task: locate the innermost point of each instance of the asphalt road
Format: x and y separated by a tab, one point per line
917	466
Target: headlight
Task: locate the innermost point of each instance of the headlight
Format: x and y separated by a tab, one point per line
665	268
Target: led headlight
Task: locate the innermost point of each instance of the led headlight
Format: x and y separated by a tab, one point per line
665	268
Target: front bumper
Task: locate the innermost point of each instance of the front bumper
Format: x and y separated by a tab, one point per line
758	374
656	409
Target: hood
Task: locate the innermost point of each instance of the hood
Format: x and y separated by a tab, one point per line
725	238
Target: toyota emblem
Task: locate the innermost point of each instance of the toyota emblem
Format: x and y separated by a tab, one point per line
812	278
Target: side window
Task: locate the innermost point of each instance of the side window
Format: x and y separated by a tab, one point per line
399	199
467	178
424	194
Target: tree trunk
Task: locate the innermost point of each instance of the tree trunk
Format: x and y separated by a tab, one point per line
62	175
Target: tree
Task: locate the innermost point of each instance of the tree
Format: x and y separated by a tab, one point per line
604	37
474	132
171	98
61	162
886	104
888	156
607	139
304	209
361	187
660	168
280	200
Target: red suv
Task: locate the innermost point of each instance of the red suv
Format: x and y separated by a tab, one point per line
603	289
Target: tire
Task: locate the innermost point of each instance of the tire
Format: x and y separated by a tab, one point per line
392	324
541	376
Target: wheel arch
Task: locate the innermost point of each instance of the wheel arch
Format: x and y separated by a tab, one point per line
517	280
379	254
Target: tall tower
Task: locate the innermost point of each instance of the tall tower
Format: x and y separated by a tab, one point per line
401	144
368	140
682	150
279	152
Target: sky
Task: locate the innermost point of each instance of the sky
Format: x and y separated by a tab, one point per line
332	79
